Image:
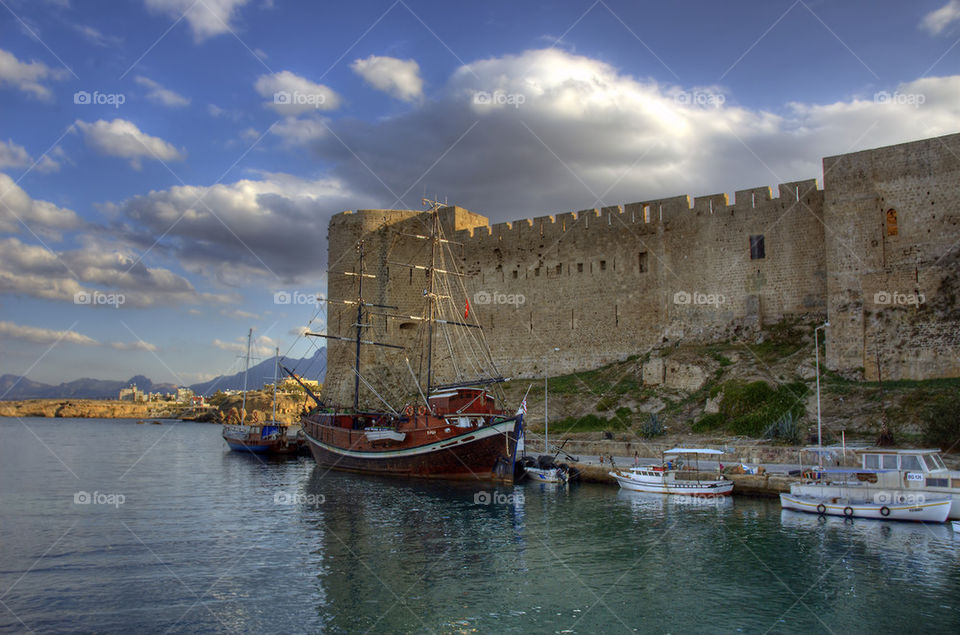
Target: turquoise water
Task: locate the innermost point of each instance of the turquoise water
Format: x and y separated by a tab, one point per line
205	540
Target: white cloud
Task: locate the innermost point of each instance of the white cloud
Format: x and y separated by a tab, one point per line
38	335
206	18
161	95
95	37
937	21
138	345
400	78
274	226
292	94
43	336
35	271
16	156
45	218
301	130
121	138
585	134
27	76
261	346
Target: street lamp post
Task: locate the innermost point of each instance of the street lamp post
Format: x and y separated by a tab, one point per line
546	423
816	345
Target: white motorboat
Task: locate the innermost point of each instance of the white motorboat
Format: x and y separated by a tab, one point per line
674	477
917	508
549	475
888	474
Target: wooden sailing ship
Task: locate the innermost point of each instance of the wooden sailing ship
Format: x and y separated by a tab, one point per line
453	430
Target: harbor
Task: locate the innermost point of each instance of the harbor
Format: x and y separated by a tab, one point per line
209	540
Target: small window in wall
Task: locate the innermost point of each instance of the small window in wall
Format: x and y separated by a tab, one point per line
515	273
603	265
891	222
579	267
559	269
536	272
642	261
757	251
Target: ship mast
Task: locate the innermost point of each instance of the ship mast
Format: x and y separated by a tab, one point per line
431	296
356	372
246	369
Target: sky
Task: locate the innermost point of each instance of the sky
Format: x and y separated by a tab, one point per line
168	166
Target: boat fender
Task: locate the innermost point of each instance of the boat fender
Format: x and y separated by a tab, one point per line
848	511
884	511
821	509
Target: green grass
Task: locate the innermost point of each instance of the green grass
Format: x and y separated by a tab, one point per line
749	409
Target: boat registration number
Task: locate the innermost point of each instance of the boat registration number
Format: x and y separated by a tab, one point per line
914	476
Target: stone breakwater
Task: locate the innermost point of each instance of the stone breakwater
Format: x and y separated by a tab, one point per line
85	408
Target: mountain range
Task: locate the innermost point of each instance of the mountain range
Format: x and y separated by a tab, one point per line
15	387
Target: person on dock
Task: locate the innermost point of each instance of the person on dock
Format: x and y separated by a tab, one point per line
636	459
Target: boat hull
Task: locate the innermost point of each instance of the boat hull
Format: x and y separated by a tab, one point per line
869	491
471	455
552	475
927	511
680	488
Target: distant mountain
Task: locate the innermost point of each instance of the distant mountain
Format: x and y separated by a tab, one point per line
15	387
314	367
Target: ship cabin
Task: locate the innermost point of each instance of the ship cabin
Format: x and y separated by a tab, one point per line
464	402
919	468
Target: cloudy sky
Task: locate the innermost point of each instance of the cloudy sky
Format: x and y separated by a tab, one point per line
185	156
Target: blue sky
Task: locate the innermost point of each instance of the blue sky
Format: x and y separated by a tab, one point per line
147	150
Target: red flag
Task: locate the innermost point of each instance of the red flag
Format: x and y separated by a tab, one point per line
467	311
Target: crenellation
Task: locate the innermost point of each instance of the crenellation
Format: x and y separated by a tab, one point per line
752	198
710	204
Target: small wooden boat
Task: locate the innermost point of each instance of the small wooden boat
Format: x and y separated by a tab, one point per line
918	510
672	477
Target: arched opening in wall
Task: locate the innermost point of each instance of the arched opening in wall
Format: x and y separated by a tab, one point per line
757	248
642	261
891	222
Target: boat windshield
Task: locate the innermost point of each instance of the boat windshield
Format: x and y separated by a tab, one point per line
912	463
936	461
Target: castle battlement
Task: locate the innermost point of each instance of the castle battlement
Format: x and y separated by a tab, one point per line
603	284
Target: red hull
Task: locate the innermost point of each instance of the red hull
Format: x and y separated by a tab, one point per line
446	453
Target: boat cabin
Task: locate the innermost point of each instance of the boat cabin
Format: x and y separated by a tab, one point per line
464	401
918	467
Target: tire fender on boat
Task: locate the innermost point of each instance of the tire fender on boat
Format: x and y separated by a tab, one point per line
884	511
821	509
848	511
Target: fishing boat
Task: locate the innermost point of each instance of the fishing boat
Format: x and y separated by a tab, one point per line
917	509
453	429
895	475
673	476
270	437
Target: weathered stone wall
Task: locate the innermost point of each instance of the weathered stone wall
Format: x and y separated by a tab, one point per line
603	284
893	284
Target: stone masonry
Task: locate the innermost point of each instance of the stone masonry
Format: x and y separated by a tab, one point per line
604	284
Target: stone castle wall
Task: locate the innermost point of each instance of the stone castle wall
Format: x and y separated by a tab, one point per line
603	284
